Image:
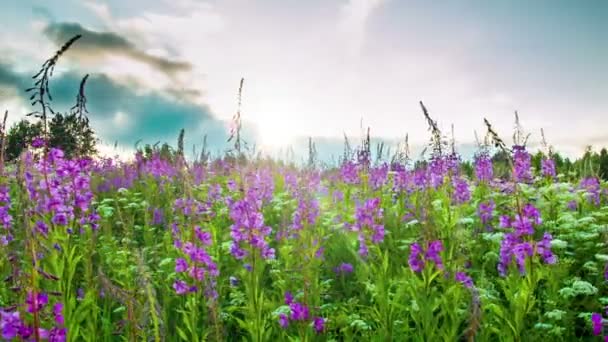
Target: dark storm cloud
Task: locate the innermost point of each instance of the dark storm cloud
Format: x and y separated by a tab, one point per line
98	44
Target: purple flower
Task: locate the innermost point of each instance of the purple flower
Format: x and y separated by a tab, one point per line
432	253
180	287
415	260
344	268
378	176
483	167
484	211
57	335
543	248
522	164
36	302
288	298
597	321
592	186
548	168
461	190
10	324
283	321
38	142
463	278
319	324
349	173
58	313
368	222
181	265
299	311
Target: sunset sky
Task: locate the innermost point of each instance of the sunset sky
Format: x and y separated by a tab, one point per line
317	67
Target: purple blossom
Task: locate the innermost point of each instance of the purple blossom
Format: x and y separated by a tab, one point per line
522	164
283	321
463	278
10	324
485	210
543	248
344	268
592	186
181	265
548	168
461	193
36	302
319	324
38	142
58	313
299	312
416	260
288	298
180	287
378	176
432	253
483	167
368	222
349	173
597	322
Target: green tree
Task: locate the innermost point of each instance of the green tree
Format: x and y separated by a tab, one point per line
19	136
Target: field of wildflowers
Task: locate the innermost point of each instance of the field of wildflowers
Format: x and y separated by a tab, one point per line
104	250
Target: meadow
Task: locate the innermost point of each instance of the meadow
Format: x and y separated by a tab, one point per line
232	249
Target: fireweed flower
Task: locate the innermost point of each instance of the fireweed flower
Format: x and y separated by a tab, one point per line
521	164
344	268
418	257
10	324
592	186
598	323
463	278
461	193
350	173
283	321
378	176
368	223
548	168
437	171
484	211
513	245
248	231
319	324
6	219
36	302
483	167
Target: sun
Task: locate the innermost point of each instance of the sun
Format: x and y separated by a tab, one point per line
274	131
274	120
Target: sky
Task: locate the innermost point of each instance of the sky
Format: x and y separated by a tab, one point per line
316	68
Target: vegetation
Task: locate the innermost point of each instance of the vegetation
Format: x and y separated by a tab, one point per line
507	247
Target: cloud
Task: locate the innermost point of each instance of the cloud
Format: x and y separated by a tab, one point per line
124	115
100	45
353	21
